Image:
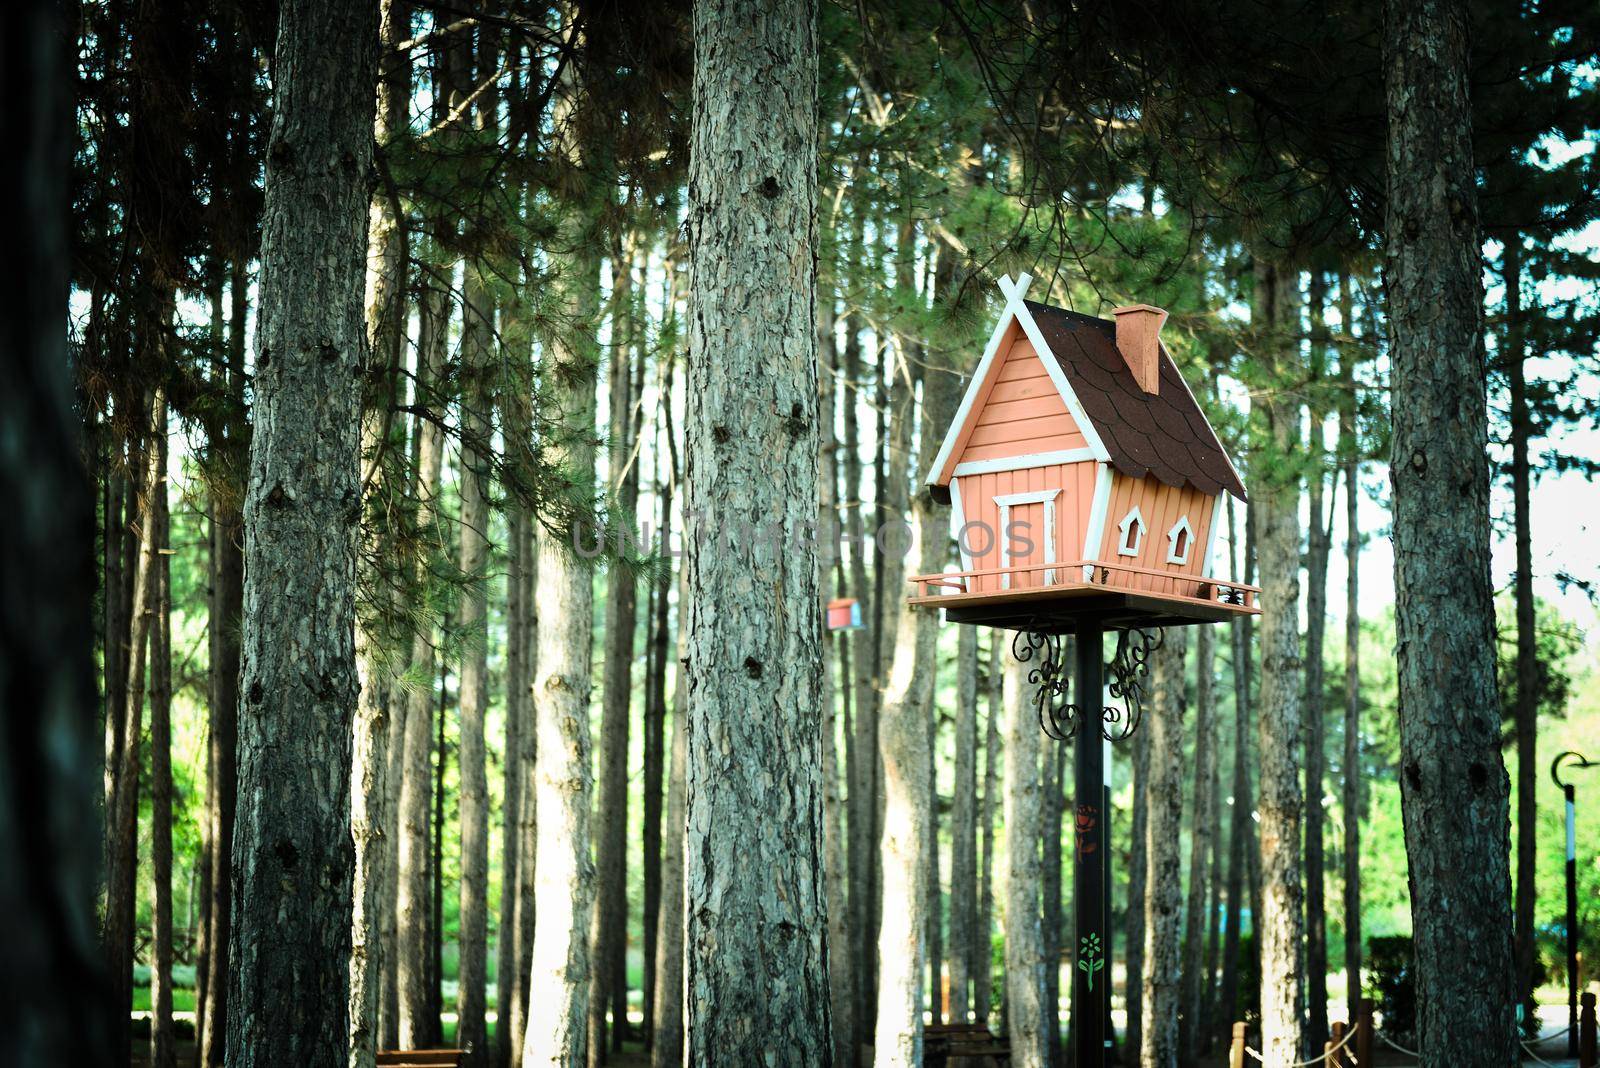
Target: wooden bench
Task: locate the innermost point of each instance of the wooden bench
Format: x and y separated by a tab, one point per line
942	1043
420	1058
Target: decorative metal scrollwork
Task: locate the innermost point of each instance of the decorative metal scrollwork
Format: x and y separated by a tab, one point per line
1051	674
1130	666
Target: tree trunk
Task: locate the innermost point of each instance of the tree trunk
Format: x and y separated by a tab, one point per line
756	972
290	978
1241	827
370	789
473	939
982	981
161	1036
835	864
478	335
607	989
1453	779
1052	776
556	1030
1352	801
1024	819
655	736
1197	921
1163	894
666	1046
863	747
124	759
1276	504
224	629
517	925
1319	541
968	956
1138	880
413	896
52	982
907	760
1526	691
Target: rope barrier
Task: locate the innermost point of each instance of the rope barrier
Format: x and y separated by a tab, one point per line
1387	1041
1348	1036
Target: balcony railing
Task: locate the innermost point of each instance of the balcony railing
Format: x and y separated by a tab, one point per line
1092	574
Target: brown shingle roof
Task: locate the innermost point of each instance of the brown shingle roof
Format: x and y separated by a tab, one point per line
1164	435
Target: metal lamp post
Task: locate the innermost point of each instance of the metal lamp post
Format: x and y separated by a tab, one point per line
1575	760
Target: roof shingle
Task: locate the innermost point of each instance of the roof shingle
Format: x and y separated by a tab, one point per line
1163	435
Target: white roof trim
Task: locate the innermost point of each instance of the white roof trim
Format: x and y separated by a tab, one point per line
1015	293
1023	462
1063	387
1209	564
1097	516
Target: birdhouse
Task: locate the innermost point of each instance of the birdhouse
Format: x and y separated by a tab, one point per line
1086	482
844	613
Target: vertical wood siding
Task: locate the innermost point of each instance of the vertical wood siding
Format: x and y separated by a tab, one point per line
1161	506
1020	411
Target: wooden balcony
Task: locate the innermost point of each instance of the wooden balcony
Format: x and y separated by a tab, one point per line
1074	593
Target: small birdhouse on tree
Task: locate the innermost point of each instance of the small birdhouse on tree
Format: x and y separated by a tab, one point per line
844	613
1087	484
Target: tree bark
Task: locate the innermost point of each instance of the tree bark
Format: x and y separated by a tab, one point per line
413	896
124	758
1241	827
556	1030
1319	541
903	732
161	1035
1349	450
1526	692
1276	504
1052	777
224	630
473	939
385	312
835	864
1138	880
1163	895
655	737
607	991
290	978
666	1046
1024	819
757	952
1197	921
967	955
53	979
1453	779
983	980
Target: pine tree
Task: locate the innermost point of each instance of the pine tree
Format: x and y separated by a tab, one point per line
752	862
1453	778
291	936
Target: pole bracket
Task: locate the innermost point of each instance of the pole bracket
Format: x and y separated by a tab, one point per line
1061	718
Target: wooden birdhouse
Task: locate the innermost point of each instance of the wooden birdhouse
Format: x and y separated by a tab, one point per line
1085	480
844	613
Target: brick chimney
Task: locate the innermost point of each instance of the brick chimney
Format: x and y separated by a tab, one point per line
1139	341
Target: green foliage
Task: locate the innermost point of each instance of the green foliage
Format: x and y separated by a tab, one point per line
1390	970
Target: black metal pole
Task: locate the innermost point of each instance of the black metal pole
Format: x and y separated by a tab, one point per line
1091	972
1572	920
1110	928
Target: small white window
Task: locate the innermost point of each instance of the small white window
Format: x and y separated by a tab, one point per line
1180	539
1132	528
